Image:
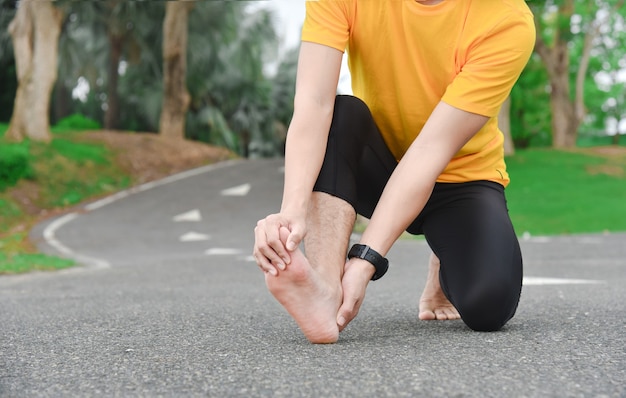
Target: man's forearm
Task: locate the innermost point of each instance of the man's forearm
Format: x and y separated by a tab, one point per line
304	153
411	184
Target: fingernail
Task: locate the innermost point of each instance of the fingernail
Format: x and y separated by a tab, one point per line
341	321
286	260
281	266
273	272
291	246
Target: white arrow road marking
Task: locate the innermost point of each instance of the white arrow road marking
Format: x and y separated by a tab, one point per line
193	216
530	280
240	190
194	237
222	251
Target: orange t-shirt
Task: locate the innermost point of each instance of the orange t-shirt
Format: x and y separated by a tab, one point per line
405	57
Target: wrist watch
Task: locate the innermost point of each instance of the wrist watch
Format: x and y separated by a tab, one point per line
380	263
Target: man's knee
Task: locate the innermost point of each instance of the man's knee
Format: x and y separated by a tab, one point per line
350	104
488	308
349	112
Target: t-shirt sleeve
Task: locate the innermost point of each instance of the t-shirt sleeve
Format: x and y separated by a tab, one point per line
493	66
327	22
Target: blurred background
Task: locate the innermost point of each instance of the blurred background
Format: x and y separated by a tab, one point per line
89	90
240	67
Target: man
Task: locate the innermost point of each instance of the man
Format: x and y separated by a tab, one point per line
416	149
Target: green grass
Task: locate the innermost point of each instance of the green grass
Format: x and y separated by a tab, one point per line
17	257
66	172
26	262
553	192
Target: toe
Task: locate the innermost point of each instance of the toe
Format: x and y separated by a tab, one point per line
427	315
441	315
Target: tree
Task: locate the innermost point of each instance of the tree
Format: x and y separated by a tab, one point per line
229	43
35	32
558	23
175	95
530	106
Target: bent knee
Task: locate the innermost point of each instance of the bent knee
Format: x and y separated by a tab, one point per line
490	308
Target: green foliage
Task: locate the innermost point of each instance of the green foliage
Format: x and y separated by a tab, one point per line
14	164
554	192
229	43
600	24
76	122
8	79
530	107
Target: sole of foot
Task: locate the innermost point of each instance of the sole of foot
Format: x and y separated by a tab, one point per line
310	300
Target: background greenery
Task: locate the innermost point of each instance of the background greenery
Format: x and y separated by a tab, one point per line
242	87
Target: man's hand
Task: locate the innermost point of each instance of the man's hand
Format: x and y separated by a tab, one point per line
270	253
357	274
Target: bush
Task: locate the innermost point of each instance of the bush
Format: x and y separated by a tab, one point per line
14	164
77	122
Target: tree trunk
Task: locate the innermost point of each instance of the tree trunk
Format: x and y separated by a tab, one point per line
175	95
111	114
564	121
504	124
35	33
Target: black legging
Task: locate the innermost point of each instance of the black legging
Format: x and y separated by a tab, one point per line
467	225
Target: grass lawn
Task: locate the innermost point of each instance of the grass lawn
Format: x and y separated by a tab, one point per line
558	192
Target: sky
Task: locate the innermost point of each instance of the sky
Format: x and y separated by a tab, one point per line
290	16
289	19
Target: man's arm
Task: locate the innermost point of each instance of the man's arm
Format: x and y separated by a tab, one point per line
407	192
447	130
316	85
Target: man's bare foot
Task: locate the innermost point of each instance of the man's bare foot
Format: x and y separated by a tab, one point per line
434	305
309	298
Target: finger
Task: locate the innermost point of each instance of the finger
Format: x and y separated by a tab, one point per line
347	312
264	255
294	239
265	265
279	254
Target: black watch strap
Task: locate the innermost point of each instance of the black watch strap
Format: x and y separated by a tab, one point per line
380	263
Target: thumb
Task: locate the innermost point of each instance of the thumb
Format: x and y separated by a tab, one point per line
294	239
346	312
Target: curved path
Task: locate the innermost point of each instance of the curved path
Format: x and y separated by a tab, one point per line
169	303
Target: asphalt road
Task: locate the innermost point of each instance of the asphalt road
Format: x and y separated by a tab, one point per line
168	303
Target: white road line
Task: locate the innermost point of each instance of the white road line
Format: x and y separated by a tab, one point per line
239	190
189	216
50	230
153	184
537	281
194	237
49	236
222	251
